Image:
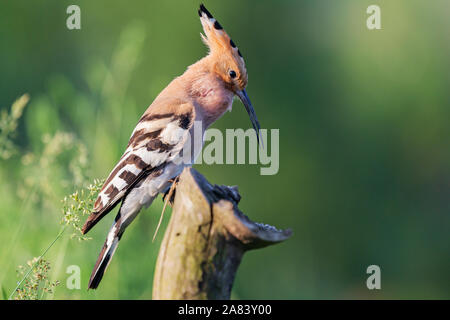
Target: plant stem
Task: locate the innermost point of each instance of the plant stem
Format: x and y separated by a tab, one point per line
37	261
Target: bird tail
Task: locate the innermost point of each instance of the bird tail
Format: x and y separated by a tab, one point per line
105	256
129	210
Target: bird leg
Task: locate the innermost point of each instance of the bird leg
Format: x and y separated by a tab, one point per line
170	194
173	188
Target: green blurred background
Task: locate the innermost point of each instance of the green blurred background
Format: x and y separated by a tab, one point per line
364	138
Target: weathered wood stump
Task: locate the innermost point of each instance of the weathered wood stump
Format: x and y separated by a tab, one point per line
205	240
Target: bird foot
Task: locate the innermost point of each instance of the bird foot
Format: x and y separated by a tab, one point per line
173	185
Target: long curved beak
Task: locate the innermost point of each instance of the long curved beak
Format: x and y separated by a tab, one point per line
242	94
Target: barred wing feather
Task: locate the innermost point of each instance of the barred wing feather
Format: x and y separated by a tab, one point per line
157	139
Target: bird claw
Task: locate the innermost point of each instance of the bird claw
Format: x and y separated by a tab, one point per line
166	193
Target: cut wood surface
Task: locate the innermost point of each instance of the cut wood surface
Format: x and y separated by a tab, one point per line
205	240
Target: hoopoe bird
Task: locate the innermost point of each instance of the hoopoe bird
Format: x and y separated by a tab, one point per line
163	135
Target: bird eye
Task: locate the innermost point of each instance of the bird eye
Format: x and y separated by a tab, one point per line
232	74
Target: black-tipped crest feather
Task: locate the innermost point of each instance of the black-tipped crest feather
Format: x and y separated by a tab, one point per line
203	9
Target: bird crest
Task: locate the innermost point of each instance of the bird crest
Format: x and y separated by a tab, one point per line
224	51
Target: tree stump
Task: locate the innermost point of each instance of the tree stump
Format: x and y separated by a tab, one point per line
205	240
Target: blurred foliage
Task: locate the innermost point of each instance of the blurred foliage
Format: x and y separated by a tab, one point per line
364	151
8	126
37	284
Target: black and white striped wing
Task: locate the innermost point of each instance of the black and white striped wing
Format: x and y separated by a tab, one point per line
156	140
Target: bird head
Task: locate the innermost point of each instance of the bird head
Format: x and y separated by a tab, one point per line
227	61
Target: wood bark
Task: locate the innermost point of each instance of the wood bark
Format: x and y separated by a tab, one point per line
205	240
